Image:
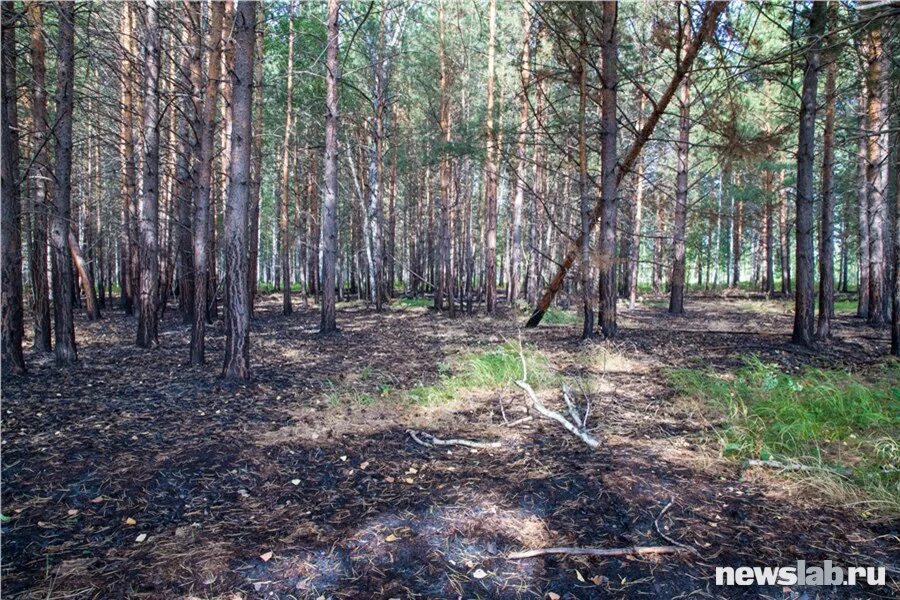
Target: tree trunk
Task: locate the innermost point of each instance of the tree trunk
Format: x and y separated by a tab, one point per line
676	300
876	115
41	176
91	308
490	175
784	236
256	181
284	180
13	328
128	175
64	323
737	234
804	301
237	341
329	198
609	178
203	167
584	198
148	320
710	18
635	257
826	230
515	269
445	272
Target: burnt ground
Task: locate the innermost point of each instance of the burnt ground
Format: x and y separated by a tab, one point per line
311	462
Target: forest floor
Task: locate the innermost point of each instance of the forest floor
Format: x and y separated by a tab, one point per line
132	475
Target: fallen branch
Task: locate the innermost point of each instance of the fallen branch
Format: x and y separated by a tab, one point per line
627	551
524	419
791	466
576	428
690	549
429	441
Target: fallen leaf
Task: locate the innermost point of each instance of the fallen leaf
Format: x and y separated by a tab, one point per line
390	479
295	481
140	538
579	576
364	465
266	556
412	471
599	579
391	538
409	480
553	596
72	512
97	500
129	521
479	574
344	458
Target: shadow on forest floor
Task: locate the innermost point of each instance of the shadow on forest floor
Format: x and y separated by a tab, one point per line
303	483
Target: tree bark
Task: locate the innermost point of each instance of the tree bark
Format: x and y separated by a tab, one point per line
40	179
148	320
876	117
91	308
609	178
12	326
284	179
203	167
679	223
127	242
256	181
515	269
329	198
584	198
237	341
64	323
826	229
784	236
445	269
710	18
490	174
804	300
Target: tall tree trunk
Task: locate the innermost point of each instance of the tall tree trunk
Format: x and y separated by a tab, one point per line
584	198
127	242
635	256
876	116
40	181
609	178
237	312
91	308
148	320
784	236
445	268
737	235
804	300
191	81
515	269
256	181
284	180
329	198
676	299
13	327
490	174
710	18
826	230
64	323
203	167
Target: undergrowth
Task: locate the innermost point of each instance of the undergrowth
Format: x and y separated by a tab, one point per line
492	369
847	424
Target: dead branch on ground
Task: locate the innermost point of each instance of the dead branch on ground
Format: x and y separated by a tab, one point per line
429	441
627	551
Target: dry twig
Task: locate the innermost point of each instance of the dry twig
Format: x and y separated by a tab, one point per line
429	441
627	551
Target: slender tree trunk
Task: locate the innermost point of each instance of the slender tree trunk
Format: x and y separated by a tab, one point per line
148	321
490	174
635	258
191	80
12	327
804	318
784	236
445	266
826	230
710	18
203	167
737	232
256	181
64	323
329	198
609	178
127	243
237	209
91	309
584	198
515	270
676	300
875	174
41	177
284	180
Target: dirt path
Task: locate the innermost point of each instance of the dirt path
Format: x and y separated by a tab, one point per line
131	444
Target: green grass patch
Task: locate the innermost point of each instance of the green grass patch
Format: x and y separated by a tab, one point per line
417	302
821	417
558	316
492	369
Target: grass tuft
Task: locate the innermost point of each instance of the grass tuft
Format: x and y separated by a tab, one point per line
492	369
820	417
